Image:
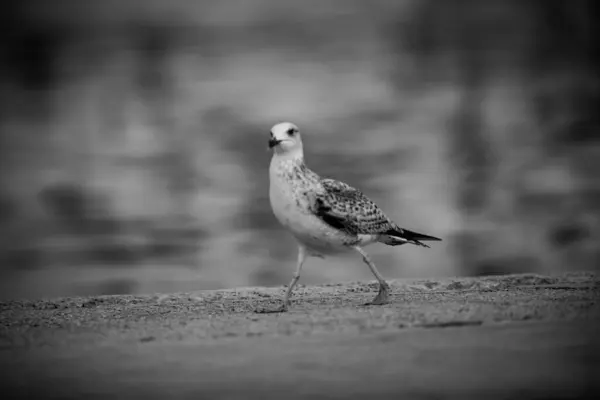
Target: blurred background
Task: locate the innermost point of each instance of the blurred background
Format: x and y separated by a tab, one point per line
133	137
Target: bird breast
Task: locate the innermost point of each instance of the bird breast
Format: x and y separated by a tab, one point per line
288	198
290	202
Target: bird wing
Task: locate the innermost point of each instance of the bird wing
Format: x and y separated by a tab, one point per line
346	208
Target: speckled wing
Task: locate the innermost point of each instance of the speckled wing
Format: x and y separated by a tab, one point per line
346	208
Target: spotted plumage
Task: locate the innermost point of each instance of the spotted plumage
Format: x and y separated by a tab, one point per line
347	208
325	215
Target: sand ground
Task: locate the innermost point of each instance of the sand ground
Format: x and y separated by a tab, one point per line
519	336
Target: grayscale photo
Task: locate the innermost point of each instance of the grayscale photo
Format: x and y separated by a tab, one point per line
298	199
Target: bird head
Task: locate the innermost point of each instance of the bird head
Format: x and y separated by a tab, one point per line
285	139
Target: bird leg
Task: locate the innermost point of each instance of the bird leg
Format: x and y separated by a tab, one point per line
286	300
296	277
384	289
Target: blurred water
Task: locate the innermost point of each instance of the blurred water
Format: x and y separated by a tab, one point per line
134	133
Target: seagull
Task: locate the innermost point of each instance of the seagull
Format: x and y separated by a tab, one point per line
324	215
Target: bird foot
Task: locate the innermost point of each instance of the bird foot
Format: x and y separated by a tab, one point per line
381	298
282	308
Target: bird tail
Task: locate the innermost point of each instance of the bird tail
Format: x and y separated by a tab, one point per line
399	236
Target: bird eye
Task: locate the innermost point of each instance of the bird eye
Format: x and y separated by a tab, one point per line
291	131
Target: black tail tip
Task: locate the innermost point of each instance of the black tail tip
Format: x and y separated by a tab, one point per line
418	236
415	238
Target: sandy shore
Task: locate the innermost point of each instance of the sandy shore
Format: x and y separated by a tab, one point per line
498	337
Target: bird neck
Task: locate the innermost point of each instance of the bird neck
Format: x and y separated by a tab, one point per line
286	164
295	156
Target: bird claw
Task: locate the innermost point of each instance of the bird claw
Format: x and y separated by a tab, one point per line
381	298
282	308
377	302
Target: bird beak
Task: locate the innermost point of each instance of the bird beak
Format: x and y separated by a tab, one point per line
273	142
